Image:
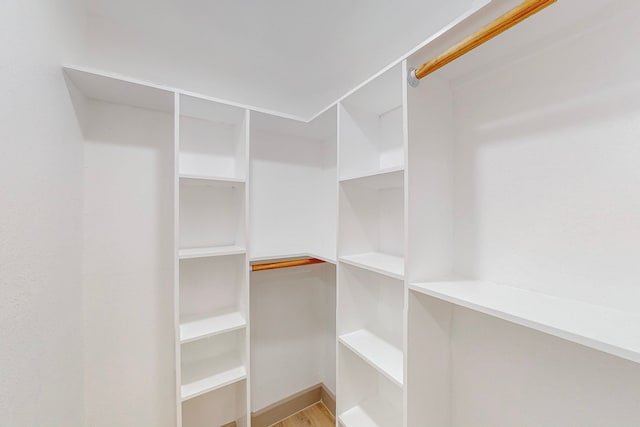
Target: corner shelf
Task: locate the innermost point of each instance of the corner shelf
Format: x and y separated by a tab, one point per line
384	357
190	253
388	265
200	379
373	412
601	328
210	326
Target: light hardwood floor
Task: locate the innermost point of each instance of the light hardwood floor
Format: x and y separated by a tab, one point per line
316	415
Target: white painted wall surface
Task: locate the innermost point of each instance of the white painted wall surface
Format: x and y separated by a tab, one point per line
506	375
128	267
292	332
40	216
293	202
547	162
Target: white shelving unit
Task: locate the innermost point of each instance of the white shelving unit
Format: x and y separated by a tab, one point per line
213	295
371	253
516	191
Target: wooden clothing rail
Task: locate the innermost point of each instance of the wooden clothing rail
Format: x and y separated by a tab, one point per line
285	264
486	33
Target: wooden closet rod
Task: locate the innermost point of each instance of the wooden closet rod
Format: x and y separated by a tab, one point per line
285	264
483	35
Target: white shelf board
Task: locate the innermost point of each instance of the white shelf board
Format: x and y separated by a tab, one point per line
188	253
210	326
378	353
199	378
120	90
371	413
602	328
388	265
216	181
378	180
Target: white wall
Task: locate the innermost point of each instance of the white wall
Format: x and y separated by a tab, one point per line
40	222
547	162
128	267
546	198
506	375
292	332
292	195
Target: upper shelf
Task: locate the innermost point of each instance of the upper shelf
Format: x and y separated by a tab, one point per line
598	327
119	90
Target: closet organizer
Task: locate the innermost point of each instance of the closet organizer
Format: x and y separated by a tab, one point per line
458	253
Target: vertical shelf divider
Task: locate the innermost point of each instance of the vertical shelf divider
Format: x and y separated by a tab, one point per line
176	252
247	265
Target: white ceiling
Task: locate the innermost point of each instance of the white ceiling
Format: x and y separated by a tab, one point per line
292	56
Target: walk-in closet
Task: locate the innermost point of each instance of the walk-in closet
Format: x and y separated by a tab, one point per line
283	214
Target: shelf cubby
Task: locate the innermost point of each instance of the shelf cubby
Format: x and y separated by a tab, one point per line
212	217
212	287
370	126
212	139
212	363
371	221
366	397
381	355
370	319
221	407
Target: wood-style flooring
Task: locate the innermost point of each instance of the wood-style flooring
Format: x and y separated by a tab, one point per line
316	415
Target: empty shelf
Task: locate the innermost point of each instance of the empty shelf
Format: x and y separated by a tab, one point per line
203	328
372	413
199	378
594	326
210	251
381	179
190	179
389	265
384	357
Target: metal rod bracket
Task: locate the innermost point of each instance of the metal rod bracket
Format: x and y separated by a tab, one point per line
412	79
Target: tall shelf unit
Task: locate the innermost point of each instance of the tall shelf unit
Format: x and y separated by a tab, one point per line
371	249
212	143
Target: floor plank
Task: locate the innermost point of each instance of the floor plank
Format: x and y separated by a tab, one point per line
316	415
